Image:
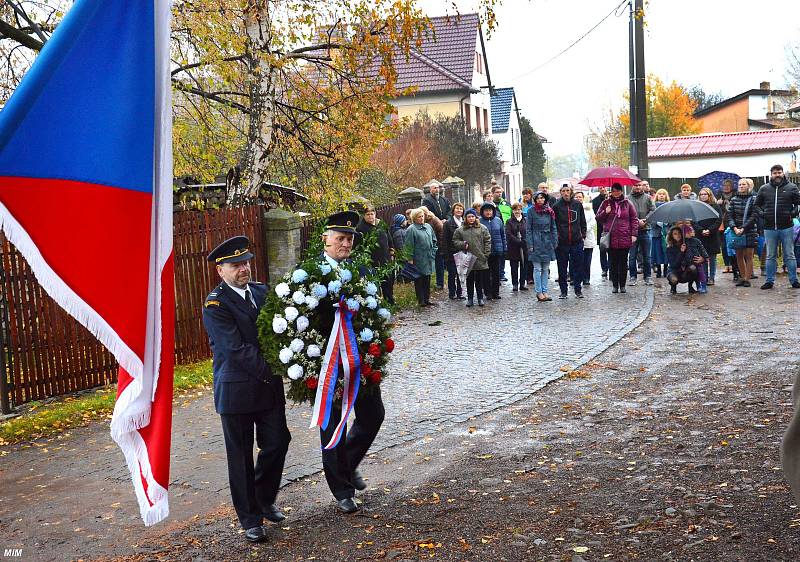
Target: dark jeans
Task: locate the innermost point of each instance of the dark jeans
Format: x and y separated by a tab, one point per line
439	270
618	263
495	261
586	272
518	269
254	487
454	288
422	287
478	282
340	462
688	275
642	244
571	256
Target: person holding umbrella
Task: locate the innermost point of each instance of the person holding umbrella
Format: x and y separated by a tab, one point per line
620	223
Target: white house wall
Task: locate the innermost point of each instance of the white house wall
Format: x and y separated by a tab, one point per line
742	164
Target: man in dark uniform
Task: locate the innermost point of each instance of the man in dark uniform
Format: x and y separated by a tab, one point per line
341	462
246	394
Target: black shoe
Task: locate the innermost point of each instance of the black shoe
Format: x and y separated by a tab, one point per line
461	298
523	288
347	505
740	283
754	276
746	284
692	290
256	534
496	297
673	290
470	302
481	302
358	481
767	285
796	285
622	289
586	283
605	275
273	514
562	296
615	289
579	295
514	288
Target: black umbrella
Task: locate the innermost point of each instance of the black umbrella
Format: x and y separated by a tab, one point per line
681	210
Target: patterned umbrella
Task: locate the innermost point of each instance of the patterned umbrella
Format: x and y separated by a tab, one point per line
714	180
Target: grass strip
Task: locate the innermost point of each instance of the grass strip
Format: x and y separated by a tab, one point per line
47	419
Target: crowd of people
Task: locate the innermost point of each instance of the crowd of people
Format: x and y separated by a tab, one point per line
540	228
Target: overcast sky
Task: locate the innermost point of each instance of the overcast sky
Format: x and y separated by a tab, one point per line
726	46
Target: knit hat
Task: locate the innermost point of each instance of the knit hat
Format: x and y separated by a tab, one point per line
471	211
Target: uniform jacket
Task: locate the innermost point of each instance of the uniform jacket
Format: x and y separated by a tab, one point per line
542	236
243	381
625	225
570	221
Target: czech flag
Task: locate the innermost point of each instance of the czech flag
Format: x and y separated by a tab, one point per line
86	196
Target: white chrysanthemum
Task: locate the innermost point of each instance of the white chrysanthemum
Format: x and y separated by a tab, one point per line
299	297
291	313
384	313
285	355
282	290
313	350
345	275
371	302
295	371
311	302
299	276
365	335
297	345
279	325
371	289
302	323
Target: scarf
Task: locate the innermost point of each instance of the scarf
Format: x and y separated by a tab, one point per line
542	209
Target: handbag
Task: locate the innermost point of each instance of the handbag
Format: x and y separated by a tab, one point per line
605	240
739	241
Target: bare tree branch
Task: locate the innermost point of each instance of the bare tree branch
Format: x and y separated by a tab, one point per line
11	32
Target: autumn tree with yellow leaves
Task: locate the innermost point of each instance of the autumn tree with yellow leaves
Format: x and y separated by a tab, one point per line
670	112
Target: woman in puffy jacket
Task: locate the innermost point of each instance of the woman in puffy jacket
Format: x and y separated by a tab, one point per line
619	218
742	215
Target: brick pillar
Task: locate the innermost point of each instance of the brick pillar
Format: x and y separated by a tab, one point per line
281	241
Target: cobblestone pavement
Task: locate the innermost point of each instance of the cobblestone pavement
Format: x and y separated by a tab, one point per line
70	497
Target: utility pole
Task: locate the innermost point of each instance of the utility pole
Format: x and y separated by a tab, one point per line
641	98
634	160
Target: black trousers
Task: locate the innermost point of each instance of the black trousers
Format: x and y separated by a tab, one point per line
518	269
340	462
422	287
387	288
477	281
454	288
618	266
493	288
253	488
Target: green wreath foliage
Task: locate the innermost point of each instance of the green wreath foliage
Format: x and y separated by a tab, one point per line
296	350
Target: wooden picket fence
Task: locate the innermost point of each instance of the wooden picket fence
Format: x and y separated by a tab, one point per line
44	352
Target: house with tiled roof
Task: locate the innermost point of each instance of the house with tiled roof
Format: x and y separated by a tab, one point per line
749	153
448	72
754	110
505	132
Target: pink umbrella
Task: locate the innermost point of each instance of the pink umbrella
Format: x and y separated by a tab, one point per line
609	175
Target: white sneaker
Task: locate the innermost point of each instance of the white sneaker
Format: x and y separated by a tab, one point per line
632	283
648	281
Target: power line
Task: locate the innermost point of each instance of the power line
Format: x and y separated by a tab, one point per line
578	40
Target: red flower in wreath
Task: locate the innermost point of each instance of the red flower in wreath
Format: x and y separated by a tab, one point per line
374	350
389	345
366	369
375	377
311	383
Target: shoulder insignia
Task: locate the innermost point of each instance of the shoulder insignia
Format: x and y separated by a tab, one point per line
211	303
212	294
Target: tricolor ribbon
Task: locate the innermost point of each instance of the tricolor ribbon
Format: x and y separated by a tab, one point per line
342	349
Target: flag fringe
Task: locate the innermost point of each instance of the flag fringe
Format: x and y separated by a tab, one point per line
153	501
66	297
